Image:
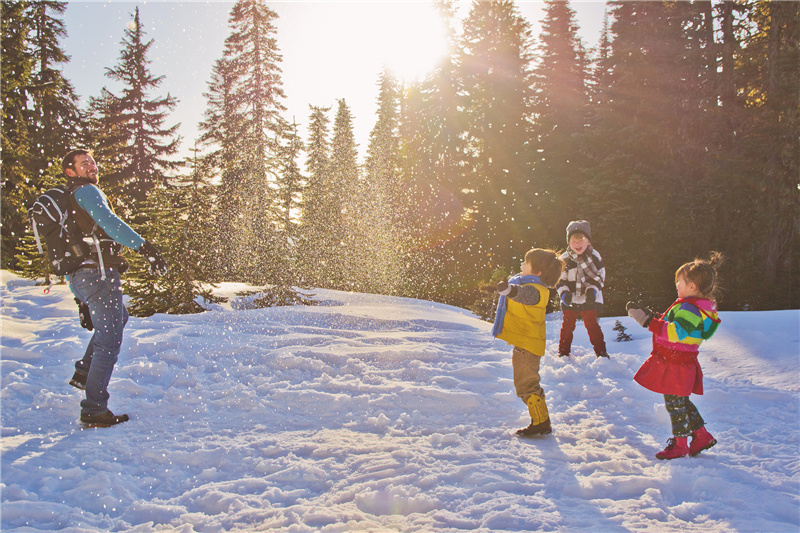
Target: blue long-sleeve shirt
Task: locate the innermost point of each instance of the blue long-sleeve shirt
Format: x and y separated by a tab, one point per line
95	203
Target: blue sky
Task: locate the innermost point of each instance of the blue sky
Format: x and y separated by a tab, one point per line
330	49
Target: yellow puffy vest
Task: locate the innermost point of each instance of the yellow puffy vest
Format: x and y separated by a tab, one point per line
523	325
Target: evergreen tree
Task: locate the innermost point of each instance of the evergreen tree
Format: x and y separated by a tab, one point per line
246	94
53	122
766	153
560	108
184	234
223	134
495	66
291	185
56	119
318	215
17	67
433	174
343	263
381	195
139	119
646	143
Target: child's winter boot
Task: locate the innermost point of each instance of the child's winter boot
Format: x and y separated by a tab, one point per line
701	440
676	447
540	418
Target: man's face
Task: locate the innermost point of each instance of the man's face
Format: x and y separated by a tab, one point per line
83	167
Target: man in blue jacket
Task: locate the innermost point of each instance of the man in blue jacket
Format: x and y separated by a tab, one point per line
97	286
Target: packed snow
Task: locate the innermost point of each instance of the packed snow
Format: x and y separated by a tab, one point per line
374	413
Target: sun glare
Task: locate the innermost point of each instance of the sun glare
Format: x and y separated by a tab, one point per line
409	37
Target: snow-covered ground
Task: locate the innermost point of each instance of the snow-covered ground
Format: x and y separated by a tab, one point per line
372	413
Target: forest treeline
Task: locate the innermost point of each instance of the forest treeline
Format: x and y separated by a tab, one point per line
676	134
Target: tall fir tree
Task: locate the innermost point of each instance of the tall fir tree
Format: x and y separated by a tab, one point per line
184	233
222	135
495	60
560	109
290	184
56	118
147	146
246	94
343	263
382	194
646	136
434	172
319	214
17	161
766	151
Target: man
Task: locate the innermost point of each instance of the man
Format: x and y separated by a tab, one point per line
97	286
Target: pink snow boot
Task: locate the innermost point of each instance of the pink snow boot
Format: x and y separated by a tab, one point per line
701	440
676	447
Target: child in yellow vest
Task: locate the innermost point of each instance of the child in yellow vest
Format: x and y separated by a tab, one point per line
520	322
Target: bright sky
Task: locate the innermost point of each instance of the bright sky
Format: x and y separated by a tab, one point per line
331	50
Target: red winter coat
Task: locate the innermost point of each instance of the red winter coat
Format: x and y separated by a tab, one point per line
672	367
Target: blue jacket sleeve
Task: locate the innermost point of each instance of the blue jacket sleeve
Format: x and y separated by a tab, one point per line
94	202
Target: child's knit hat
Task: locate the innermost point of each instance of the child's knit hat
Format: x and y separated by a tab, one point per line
579	226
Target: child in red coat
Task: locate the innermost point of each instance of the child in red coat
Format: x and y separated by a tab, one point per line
672	369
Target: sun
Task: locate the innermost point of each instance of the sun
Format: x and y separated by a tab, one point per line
415	41
407	37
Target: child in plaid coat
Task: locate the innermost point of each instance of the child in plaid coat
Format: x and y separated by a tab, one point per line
581	288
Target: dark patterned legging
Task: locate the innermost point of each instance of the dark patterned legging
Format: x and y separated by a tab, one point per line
684	415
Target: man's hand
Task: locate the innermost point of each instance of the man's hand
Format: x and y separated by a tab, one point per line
156	264
85	315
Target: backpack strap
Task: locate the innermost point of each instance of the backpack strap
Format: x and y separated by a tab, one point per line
82	219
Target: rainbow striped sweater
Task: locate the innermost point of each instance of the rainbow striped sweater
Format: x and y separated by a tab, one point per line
686	324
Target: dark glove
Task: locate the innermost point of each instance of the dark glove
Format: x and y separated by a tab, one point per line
508	290
591	296
566	299
640	314
155	262
84	315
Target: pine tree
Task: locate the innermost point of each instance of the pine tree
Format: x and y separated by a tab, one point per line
291	185
245	96
560	108
645	143
17	67
222	134
318	216
343	262
56	121
53	122
495	61
433	176
381	195
766	152
184	234
139	119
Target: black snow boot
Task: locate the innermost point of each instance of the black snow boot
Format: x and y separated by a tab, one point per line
103	420
78	380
